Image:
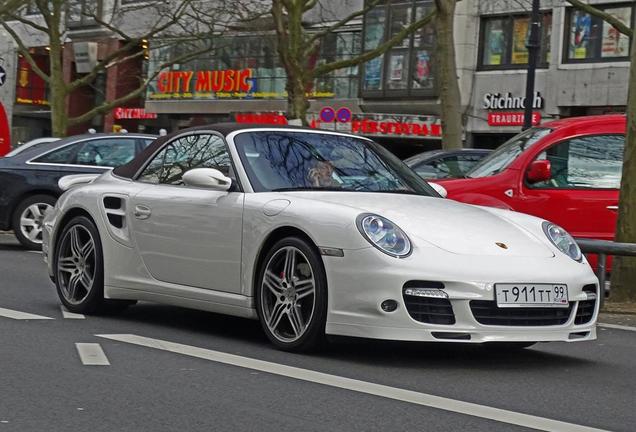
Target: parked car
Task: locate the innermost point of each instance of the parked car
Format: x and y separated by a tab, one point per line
439	164
313	232
566	171
28	179
37	142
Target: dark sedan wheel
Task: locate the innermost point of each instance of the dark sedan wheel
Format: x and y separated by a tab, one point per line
79	267
292	296
28	218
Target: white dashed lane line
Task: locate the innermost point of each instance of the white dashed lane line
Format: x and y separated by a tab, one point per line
9	313
617	327
92	354
71	315
423	399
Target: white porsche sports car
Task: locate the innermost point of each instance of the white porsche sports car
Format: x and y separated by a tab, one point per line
314	233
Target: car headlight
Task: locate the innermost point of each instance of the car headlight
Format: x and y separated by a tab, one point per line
562	240
384	235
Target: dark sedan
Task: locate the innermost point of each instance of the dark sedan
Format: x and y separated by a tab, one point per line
439	164
28	180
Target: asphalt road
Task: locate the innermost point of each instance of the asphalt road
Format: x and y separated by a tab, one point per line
171	369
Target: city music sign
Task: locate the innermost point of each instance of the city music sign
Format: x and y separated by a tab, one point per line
501	104
214	84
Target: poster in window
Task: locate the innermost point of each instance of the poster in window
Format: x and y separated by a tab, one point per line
495	47
423	71
616	44
373	74
374	31
580	35
396	70
519	33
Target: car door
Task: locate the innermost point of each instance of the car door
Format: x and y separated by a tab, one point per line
185	235
582	192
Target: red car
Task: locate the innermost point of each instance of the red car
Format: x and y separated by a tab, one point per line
566	171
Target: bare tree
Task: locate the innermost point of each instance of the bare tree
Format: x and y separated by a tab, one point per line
181	23
450	97
624	269
297	44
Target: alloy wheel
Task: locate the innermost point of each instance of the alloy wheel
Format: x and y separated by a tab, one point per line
31	221
288	294
76	264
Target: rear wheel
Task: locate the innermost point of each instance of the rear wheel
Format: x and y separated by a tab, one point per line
292	296
79	267
28	218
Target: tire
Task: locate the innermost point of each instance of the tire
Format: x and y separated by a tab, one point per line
27	220
292	311
79	268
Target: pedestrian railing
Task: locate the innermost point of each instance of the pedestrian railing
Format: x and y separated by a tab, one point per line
605	248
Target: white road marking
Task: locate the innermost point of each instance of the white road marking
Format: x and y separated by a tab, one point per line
616	326
8	313
71	315
92	354
472	409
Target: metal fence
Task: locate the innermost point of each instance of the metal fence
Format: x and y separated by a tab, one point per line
603	249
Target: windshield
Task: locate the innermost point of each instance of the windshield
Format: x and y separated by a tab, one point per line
285	160
499	160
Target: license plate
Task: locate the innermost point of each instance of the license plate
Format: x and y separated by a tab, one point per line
531	295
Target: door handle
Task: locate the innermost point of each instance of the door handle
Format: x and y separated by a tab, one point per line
142	212
612	207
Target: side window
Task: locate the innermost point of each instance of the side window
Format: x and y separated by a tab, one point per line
106	152
64	155
466	162
593	162
186	153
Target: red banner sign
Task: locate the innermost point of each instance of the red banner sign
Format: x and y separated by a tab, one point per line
511	118
5	140
122	113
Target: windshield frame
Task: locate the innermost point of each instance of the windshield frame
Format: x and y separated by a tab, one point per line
398	168
543	132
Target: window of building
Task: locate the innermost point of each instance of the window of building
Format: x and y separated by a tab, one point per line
407	68
590	39
81	13
503	41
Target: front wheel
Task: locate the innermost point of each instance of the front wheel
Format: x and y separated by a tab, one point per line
79	267
292	296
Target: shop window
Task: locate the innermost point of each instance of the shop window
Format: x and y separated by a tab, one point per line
590	39
503	41
407	68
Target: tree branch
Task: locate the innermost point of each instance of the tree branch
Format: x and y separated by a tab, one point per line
25	52
381	49
610	19
316	36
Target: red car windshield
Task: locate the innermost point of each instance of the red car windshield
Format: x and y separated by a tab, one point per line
501	158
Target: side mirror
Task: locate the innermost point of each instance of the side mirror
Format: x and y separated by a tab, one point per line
439	189
539	171
208	178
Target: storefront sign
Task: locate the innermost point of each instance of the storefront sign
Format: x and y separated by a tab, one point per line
381	125
511	118
220	84
5	141
85	56
506	101
122	113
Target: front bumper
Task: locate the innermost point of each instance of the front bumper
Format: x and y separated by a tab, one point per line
361	280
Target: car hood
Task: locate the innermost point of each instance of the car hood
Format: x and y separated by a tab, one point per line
449	225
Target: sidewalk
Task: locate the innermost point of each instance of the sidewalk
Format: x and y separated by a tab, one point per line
618	314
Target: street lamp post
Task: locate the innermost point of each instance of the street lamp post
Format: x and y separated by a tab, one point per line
534	46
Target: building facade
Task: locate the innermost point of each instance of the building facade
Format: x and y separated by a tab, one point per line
394	98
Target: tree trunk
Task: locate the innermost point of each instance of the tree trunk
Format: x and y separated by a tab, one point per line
624	269
58	92
450	97
297	103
